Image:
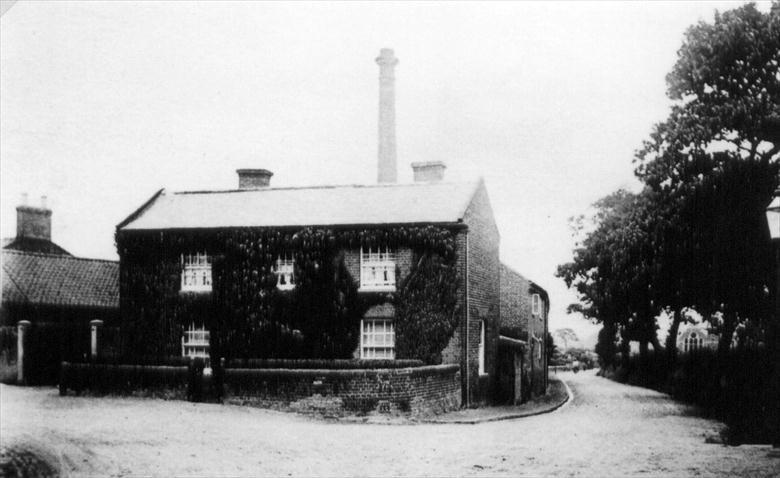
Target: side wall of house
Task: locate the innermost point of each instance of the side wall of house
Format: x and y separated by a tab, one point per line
515	304
483	282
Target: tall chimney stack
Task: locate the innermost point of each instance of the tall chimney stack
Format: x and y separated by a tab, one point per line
33	222
387	159
254	178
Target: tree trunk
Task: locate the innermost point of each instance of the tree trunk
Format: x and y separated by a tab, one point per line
644	348
656	343
727	331
625	348
671	339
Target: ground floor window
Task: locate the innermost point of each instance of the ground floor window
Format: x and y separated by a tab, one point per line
377	339
195	343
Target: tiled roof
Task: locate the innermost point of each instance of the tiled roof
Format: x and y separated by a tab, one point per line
54	279
29	244
312	206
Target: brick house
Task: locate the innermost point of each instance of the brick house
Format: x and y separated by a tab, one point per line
524	307
57	293
461	210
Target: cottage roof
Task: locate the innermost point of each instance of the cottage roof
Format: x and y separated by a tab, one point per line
56	279
307	206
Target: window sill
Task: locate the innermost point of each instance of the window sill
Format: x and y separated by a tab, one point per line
195	291
285	287
377	289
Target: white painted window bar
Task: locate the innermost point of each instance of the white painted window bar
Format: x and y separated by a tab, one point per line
377	269
196	273
693	342
377	340
195	343
285	272
536	305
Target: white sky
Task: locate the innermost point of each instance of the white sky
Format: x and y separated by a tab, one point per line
101	104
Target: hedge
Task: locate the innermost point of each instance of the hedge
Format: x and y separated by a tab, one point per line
734	389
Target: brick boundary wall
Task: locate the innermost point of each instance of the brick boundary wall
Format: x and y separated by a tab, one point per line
417	391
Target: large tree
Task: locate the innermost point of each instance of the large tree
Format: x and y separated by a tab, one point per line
715	160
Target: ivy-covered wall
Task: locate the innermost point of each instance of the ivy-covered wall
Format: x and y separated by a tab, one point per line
248	317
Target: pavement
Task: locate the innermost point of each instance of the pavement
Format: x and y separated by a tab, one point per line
558	393
606	429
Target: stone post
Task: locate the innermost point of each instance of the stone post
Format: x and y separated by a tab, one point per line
94	325
22	327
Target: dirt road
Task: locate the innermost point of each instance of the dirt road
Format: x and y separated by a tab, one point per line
608	429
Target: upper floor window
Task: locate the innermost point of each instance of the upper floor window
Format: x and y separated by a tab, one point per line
196	273
285	272
377	269
536	304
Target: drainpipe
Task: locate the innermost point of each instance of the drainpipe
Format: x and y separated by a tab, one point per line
466	334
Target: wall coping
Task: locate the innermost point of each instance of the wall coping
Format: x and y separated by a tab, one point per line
413	371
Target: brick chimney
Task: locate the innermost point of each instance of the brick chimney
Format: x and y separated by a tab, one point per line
386	172
429	171
33	222
254	178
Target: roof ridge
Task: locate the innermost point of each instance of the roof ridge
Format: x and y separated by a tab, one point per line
325	186
59	256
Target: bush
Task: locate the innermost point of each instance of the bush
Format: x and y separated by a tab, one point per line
734	390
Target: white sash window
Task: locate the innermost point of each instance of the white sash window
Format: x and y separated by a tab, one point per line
377	269
196	273
536	305
285	272
195	343
377	339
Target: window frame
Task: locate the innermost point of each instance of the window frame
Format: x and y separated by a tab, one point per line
190	341
386	258
284	267
374	347
197	269
481	350
536	305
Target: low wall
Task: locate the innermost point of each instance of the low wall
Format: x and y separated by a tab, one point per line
417	391
160	381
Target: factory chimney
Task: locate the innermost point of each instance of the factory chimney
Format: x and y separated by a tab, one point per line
387	158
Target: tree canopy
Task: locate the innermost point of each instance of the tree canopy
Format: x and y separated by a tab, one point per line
695	235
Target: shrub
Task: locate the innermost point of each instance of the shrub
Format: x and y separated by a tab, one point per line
733	389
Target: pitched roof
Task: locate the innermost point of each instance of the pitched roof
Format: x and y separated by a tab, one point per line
31	244
310	206
55	279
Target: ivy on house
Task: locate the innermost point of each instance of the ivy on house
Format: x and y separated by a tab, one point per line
426	309
250	318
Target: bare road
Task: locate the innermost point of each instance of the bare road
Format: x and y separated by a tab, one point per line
608	429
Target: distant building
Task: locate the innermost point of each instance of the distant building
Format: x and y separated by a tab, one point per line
696	337
33	230
524	314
